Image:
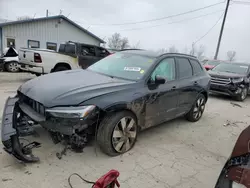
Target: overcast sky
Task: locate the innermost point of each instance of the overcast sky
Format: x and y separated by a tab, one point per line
162	35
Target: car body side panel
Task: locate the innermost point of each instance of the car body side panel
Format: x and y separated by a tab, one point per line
162	99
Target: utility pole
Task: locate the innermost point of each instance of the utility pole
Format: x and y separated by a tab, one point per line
221	31
47	13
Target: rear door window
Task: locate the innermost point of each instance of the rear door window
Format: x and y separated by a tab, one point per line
101	52
184	68
197	69
70	49
88	50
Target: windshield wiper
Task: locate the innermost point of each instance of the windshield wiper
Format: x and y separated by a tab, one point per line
229	71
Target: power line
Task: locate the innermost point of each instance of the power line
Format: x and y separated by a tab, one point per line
148	27
162	18
242	2
209	30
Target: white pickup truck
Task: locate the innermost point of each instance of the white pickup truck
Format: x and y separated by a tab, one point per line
69	56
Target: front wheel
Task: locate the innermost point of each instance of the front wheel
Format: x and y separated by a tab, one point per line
197	109
12	66
243	95
117	133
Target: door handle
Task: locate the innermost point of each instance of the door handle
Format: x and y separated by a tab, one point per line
173	88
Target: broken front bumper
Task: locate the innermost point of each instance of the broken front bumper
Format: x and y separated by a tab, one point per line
231	90
10	134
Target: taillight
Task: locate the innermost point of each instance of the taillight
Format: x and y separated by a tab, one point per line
37	58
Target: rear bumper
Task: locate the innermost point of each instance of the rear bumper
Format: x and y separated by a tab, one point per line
231	90
10	135
31	68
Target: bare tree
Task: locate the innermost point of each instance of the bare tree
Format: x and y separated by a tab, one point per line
193	50
231	55
114	41
162	51
124	43
172	49
24	18
117	42
136	46
185	50
200	52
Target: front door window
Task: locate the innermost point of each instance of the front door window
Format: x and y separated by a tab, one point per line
166	69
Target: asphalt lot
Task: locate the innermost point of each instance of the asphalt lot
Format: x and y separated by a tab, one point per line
177	154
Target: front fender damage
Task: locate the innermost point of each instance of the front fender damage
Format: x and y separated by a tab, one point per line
18	122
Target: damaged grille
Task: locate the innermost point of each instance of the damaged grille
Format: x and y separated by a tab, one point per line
36	106
220	81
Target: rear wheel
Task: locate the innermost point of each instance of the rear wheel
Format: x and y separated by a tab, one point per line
243	94
197	109
117	133
60	68
12	66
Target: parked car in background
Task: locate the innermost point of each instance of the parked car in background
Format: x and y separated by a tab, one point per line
9	60
231	79
204	61
236	171
209	64
118	96
71	55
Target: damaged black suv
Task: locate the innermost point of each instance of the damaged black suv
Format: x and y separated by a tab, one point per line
231	79
112	100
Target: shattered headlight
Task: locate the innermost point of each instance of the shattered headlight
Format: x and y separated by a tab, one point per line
71	112
237	80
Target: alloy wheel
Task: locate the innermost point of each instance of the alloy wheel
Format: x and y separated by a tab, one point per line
124	135
199	108
244	93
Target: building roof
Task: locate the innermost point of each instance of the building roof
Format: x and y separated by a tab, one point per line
50	18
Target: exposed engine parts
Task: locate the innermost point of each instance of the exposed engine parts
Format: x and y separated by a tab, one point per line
75	142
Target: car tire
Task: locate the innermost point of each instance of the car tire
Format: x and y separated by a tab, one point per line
117	133
243	94
38	74
197	109
60	68
12	66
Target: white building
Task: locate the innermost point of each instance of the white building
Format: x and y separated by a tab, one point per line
46	33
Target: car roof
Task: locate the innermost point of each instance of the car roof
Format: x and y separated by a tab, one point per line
239	63
153	54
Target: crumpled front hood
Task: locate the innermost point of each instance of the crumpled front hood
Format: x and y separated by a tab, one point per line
225	74
71	87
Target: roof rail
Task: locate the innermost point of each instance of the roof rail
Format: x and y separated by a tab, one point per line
131	49
177	54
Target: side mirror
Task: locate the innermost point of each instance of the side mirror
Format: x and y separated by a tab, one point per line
159	79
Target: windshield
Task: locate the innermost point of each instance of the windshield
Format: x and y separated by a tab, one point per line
123	65
232	67
213	63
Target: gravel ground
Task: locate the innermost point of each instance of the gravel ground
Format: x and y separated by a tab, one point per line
177	154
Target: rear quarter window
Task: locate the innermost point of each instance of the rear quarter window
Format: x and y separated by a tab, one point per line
197	69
